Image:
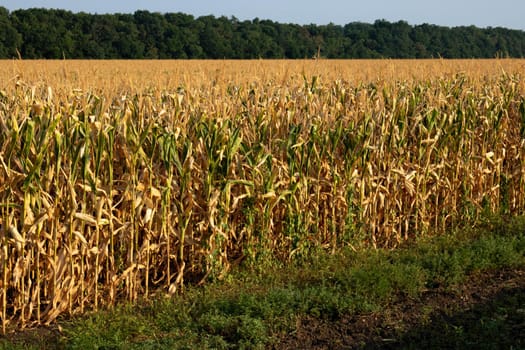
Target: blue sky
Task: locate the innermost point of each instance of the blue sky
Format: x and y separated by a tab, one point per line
482	13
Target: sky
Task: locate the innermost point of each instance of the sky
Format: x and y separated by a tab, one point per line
481	13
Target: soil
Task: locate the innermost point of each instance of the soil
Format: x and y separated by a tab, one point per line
486	312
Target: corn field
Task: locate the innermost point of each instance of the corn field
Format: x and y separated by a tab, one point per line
122	179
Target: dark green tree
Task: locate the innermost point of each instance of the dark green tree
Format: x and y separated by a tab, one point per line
10	39
41	33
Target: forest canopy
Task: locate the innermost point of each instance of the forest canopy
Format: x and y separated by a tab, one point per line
49	33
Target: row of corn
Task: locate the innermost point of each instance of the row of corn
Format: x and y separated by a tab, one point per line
114	197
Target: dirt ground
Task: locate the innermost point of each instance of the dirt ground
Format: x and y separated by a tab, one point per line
486	312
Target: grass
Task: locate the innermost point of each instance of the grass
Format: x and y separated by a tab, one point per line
253	309
492	325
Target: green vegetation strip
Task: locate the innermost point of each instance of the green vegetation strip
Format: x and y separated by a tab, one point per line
251	308
145	34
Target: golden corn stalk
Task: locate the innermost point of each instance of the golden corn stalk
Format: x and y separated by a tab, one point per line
120	179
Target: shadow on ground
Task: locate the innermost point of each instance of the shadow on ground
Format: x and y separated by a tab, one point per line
499	323
486	312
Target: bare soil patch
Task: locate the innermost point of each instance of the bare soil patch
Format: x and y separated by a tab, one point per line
487	311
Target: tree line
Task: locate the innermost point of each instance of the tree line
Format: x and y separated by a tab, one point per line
53	34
